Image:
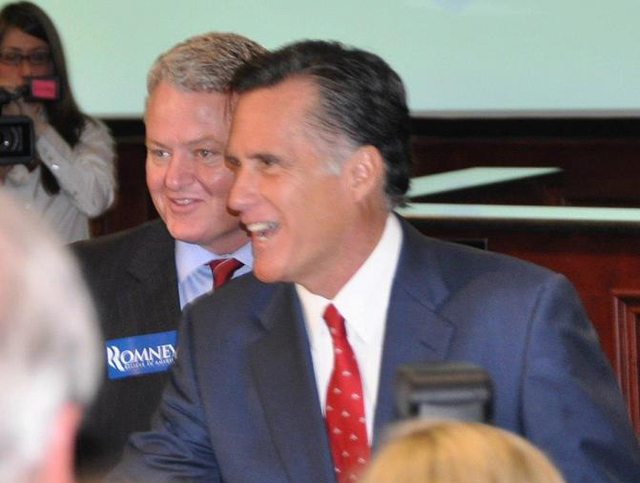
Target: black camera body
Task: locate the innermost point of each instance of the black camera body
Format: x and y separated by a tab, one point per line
16	140
444	390
17	136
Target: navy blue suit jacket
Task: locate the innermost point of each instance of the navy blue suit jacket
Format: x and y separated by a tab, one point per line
241	404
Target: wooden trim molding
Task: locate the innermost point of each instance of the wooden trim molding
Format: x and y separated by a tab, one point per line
464	128
519	127
626	332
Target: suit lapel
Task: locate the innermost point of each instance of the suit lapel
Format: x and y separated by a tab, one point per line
283	373
414	330
151	298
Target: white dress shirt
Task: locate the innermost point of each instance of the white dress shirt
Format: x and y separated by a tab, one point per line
363	303
194	274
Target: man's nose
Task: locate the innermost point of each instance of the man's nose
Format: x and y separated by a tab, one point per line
179	172
244	189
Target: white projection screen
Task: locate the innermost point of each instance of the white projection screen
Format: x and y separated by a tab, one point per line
457	57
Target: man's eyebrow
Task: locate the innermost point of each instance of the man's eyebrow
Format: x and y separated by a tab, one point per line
261	157
195	142
207	140
153	142
266	158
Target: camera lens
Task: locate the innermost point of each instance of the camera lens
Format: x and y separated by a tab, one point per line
10	139
16	140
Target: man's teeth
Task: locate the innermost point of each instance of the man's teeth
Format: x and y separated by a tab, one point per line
183	201
262	228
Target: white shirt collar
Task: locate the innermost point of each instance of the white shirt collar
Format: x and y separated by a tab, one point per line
367	291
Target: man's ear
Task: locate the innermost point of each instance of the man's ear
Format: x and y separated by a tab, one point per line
365	172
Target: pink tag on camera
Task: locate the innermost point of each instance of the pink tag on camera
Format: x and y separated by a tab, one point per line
45	89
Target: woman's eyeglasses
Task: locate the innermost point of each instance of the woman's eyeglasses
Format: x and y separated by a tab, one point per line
13	57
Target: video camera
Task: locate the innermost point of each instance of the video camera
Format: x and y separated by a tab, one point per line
444	390
16	132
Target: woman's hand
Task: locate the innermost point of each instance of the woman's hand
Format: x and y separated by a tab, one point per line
8	85
33	110
3	172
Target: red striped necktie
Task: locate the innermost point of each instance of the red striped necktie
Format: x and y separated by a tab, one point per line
223	270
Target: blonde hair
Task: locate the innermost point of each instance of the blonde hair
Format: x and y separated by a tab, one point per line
424	451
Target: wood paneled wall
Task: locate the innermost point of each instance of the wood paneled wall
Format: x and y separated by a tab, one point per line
600	157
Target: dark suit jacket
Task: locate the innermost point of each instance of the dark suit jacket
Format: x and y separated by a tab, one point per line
132	276
242	404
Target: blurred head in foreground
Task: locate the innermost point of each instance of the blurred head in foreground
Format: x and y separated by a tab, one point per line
424	451
49	351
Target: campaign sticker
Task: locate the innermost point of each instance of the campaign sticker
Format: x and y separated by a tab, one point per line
142	354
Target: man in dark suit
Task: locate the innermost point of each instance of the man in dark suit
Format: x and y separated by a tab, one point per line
141	278
265	391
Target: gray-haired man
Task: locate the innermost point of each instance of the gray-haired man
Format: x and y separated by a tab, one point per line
141	278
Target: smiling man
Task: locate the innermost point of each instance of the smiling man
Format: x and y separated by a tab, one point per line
141	278
287	375
188	181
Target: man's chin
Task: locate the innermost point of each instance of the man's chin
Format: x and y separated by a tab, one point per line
184	234
267	274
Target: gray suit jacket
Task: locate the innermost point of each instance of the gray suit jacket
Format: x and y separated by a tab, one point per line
132	277
242	406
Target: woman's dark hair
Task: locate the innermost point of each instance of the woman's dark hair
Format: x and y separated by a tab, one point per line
63	114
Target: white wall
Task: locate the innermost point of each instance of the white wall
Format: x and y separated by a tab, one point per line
454	55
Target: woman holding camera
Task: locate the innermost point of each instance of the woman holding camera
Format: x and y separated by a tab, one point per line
73	177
